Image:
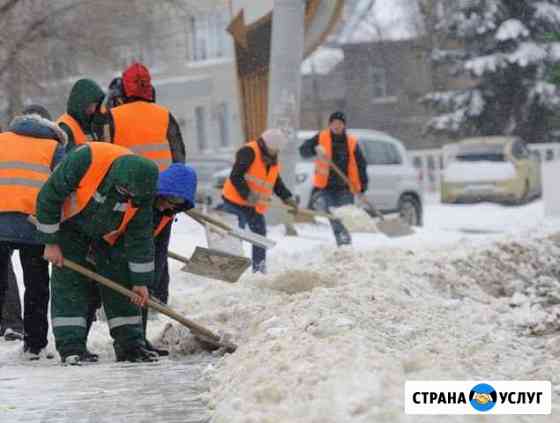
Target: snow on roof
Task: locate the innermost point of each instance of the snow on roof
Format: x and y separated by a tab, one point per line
377	20
322	61
511	30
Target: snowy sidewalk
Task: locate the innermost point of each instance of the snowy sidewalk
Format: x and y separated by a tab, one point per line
164	392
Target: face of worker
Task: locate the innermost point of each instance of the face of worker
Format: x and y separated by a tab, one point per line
337	127
164	204
90	109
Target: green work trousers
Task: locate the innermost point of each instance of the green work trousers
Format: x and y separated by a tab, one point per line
72	293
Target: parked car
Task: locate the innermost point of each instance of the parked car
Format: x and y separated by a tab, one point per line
498	168
393	186
205	170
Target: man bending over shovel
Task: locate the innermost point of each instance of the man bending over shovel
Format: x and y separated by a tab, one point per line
253	179
99	192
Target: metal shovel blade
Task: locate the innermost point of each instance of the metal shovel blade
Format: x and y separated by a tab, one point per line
394	228
216	264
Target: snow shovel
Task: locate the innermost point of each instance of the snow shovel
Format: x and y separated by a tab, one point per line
248	236
214	264
393	228
207	337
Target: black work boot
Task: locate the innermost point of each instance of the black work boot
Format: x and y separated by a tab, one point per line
80	358
136	354
90	357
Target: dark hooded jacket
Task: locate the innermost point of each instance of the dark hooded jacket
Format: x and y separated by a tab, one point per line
14	227
83	93
100	217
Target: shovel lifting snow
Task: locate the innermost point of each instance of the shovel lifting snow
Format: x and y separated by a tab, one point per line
200	332
214	264
391	227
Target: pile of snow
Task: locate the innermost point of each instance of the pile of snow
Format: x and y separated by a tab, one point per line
526	275
355	219
460	172
331	335
343	350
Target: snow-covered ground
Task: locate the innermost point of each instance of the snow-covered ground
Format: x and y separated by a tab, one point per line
331	335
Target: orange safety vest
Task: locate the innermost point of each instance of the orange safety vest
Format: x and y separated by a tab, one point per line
142	128
259	180
79	136
25	165
322	167
112	237
102	157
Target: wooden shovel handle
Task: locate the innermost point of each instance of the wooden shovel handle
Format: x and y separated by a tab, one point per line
178	257
349	183
197	329
195	214
305	212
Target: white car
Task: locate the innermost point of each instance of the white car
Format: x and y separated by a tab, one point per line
393	181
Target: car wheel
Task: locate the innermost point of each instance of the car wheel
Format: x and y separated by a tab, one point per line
410	211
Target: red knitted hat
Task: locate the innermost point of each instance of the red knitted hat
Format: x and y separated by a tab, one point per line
137	82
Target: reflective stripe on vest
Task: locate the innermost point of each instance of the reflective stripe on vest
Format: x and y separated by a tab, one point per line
25	165
102	157
259	180
322	167
79	136
142	128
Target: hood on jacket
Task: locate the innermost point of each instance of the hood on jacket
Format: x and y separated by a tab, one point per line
137	175
35	126
178	180
83	93
36	109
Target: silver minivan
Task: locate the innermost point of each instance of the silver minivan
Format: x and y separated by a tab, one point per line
393	181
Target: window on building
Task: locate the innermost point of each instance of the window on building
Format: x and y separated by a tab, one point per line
378	82
200	122
209	38
222	116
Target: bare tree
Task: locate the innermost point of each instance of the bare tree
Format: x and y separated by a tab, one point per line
43	42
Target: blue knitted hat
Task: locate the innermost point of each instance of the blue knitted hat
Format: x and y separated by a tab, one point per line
178	180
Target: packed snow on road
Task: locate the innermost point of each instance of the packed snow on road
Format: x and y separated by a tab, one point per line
329	334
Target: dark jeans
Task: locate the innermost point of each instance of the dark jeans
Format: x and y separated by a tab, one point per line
160	288
11	312
36	296
257	223
325	199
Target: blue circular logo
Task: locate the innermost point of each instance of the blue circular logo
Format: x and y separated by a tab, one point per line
483	397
